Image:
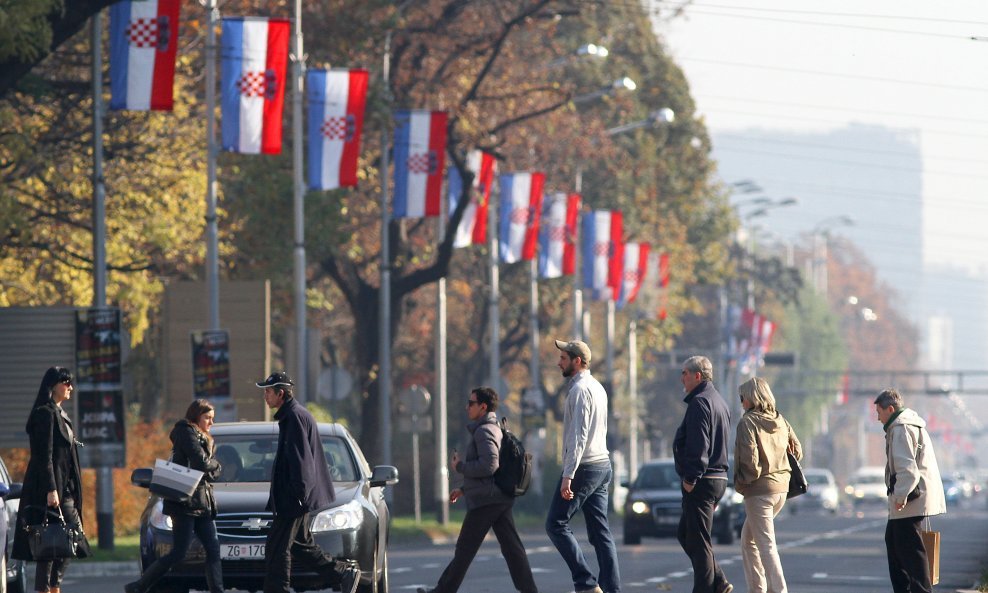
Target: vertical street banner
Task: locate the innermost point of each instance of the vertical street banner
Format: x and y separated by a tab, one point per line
210	364
143	46
99	395
336	100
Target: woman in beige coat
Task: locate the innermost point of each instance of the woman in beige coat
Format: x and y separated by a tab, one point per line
761	474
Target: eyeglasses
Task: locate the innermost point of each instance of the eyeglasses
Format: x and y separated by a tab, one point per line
472	402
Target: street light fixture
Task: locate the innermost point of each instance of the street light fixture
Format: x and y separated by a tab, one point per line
592	49
624	83
655	119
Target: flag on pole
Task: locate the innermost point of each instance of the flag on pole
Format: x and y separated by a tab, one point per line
419	154
473	225
254	66
521	209
143	43
663	286
557	244
635	271
602	230
336	101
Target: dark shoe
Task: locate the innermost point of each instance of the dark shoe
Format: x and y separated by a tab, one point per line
349	578
726	588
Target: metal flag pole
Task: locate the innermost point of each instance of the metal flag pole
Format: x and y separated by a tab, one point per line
495	292
442	436
212	256
633	399
533	320
609	338
384	304
577	272
301	338
104	472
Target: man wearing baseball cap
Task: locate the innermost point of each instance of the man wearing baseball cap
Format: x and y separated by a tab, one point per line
300	484
586	475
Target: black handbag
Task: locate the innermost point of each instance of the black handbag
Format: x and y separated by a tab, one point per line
52	538
797	481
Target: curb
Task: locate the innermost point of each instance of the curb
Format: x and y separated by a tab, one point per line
128	568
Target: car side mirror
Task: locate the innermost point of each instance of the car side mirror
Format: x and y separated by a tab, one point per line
141	477
15	491
384	475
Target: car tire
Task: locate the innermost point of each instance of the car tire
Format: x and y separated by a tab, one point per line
631	538
373	586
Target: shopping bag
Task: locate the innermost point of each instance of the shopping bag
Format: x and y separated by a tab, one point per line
172	481
931	540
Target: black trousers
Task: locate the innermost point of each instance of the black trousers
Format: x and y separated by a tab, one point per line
909	568
695	526
290	536
49	573
476	524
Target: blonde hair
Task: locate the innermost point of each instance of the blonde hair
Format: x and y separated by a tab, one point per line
757	392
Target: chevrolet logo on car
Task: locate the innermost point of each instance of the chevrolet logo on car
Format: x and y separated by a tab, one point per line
255	523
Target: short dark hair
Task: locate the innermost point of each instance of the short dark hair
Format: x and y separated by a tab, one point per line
486	396
890	398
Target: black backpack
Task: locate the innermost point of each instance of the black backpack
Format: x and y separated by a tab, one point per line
514	472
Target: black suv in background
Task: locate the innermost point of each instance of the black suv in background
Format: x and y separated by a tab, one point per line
356	526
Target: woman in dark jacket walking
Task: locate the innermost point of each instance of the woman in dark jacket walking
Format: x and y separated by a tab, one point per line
192	446
52	480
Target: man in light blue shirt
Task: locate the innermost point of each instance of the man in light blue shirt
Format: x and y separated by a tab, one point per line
586	475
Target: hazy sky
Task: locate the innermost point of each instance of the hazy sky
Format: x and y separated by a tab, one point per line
796	65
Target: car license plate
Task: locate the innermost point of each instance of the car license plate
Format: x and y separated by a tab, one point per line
667	520
242	551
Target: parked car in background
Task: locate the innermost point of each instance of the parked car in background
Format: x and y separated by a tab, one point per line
13	577
821	492
655	503
953	490
867	485
356	526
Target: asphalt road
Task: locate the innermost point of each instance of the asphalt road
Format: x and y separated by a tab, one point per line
821	553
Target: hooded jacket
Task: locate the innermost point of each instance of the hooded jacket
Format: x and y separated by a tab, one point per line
192	448
480	463
910	458
761	465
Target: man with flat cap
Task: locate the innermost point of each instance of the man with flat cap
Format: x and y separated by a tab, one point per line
586	475
300	485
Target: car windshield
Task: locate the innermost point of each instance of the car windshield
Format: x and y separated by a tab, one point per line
250	458
870	480
817	479
658	477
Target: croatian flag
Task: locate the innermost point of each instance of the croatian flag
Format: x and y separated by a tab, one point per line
254	64
143	42
473	225
419	154
635	270
336	101
521	208
557	244
602	230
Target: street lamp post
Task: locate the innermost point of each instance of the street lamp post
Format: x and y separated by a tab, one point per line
821	249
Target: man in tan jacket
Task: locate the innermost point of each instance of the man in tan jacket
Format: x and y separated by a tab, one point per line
914	491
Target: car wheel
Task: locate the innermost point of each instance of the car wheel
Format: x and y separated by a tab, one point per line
631	538
19	584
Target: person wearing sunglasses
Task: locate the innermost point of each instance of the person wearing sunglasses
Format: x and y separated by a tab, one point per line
52	481
487	506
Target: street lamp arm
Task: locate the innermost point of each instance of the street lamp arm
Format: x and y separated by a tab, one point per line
526	116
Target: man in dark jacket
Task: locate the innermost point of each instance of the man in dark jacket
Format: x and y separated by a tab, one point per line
300	484
700	449
487	506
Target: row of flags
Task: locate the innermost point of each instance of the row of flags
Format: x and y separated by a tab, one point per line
253	77
750	338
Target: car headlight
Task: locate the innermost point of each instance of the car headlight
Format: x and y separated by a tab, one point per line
639	507
158	519
348	516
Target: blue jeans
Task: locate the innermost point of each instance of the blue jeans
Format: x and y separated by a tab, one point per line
590	494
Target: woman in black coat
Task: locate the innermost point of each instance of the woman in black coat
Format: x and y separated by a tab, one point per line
52	480
192	446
